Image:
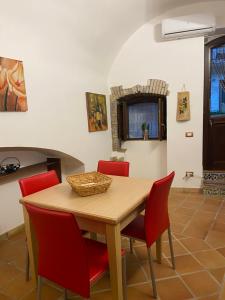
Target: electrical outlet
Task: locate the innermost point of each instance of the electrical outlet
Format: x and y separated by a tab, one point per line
189	134
189	174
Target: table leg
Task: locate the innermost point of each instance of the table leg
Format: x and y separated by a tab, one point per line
159	250
115	265
32	246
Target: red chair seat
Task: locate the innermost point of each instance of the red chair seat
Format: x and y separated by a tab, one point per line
135	229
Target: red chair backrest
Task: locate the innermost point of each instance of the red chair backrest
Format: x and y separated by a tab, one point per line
36	183
156	210
118	168
62	256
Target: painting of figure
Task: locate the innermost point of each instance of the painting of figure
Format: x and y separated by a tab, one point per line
183	106
12	86
96	111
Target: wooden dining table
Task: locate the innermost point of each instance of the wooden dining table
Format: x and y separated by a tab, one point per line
106	213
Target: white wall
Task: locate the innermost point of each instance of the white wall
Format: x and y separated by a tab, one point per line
177	62
58	69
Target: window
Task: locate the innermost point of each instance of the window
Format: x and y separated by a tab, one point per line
138	112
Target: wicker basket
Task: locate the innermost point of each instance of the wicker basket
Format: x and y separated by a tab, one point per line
86	184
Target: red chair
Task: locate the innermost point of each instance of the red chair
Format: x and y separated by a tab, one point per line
64	256
33	184
150	227
118	168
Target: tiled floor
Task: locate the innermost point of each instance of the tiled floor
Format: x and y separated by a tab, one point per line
198	225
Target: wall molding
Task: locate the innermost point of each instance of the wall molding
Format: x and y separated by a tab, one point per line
7	235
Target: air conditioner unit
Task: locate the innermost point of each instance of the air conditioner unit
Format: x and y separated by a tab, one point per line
188	26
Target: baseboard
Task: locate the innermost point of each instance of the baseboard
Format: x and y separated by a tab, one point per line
12	232
187	190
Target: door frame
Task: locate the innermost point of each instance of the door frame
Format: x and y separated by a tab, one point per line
206	108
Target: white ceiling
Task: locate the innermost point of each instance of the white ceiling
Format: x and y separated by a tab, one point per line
100	26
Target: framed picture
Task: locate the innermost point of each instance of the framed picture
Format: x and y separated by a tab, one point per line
183	106
96	112
12	85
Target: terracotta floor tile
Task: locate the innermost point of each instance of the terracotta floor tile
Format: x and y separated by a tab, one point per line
18	236
135	274
173	289
177	199
219	226
211	205
102	284
195	195
131	258
179	236
215	238
18	287
201	283
3	297
191	204
218	274
211	259
177	228
222	251
101	296
213	297
162	270
10	250
177	247
143	292
141	252
221	216
7	273
179	218
186	264
47	293
185	211
199	225
194	244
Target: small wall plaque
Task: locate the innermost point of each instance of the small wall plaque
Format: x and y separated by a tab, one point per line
183	106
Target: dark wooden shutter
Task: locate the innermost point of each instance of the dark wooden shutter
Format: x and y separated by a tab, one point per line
122	120
162	118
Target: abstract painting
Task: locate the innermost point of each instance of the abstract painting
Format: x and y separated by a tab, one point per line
12	86
96	112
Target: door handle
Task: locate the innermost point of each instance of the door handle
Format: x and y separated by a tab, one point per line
210	123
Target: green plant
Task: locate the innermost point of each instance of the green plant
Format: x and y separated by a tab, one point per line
144	126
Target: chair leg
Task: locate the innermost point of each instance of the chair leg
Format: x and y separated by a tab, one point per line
124	278
39	284
27	265
131	246
65	294
159	250
152	272
171	248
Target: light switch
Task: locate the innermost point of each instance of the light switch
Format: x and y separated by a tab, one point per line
189	134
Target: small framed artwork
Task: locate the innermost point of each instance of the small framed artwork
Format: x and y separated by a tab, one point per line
183	106
96	112
12	85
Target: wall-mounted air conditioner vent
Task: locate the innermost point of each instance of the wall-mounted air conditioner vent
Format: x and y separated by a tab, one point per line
187	26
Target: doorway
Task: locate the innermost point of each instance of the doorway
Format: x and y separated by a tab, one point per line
214	106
